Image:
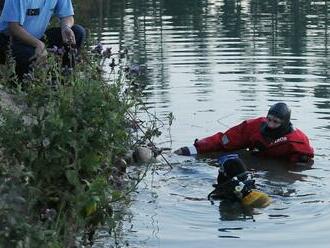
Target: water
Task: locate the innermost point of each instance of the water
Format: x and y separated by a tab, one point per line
213	64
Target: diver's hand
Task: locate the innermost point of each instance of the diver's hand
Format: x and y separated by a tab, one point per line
303	161
306	165
186	151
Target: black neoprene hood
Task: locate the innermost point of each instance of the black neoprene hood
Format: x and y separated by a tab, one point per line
281	111
234	167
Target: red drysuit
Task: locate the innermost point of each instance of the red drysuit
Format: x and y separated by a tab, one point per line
293	146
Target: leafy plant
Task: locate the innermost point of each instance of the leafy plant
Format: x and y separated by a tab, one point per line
58	154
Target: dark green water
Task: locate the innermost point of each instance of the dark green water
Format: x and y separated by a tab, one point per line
214	64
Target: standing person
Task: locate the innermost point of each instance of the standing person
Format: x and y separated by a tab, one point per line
24	22
271	136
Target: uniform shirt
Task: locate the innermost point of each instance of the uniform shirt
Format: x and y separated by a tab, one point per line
34	15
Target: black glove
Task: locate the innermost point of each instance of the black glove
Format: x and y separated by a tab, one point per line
184	151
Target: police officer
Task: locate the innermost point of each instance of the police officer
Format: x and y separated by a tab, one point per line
26	21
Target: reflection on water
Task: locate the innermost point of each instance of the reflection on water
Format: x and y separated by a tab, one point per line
214	63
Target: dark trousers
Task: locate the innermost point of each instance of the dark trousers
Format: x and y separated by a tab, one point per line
4	44
22	52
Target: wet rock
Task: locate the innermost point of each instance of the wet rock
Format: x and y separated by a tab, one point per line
142	155
118	173
129	157
120	166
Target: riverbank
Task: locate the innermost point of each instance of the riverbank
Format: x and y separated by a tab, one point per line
62	163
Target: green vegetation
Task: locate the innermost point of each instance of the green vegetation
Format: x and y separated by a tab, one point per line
59	150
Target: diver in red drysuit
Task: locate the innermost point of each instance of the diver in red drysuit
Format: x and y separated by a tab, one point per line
271	136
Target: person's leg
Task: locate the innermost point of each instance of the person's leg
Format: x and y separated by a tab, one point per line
22	54
4	43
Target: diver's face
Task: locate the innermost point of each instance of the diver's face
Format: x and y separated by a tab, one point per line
273	122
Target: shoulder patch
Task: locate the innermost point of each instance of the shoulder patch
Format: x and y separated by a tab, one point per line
224	140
